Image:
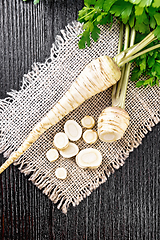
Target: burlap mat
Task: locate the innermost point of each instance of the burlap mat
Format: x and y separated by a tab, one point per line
42	88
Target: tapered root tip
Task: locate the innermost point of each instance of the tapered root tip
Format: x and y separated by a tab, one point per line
6	164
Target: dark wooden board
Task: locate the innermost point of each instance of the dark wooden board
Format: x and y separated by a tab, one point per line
126	206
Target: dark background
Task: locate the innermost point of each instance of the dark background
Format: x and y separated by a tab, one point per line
126	206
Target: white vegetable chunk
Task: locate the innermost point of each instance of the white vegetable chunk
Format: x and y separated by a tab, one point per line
89	158
88	122
112	124
73	130
61	140
90	136
70	151
52	155
61	173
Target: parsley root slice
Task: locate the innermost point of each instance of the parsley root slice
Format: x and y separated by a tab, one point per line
70	151
97	76
89	158
52	155
61	173
73	130
88	122
60	141
90	136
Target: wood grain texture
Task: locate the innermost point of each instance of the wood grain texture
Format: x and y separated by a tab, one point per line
126	206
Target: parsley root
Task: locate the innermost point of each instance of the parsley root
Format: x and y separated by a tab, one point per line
97	76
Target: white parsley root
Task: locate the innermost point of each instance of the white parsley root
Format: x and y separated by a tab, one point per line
88	122
61	173
90	136
61	140
89	158
113	121
73	130
70	151
112	124
52	155
97	76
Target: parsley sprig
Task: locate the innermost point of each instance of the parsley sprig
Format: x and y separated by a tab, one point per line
147	65
142	15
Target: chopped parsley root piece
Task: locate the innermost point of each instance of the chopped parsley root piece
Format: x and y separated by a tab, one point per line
88	122
61	173
73	130
89	158
71	151
61	140
112	124
90	136
52	155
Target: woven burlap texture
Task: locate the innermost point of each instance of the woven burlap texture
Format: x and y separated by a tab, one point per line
42	88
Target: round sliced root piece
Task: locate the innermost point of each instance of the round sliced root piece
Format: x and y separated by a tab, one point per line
70	151
112	124
90	136
88	122
52	155
89	158
73	130
61	173
61	140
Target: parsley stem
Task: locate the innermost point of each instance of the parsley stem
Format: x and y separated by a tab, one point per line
139	54
146	41
120	43
134	49
126	43
117	86
116	92
126	74
119	92
87	14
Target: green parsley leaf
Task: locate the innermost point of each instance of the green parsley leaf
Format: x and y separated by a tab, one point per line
84	39
133	1
98	4
152	22
88	26
138	10
88	3
156	4
145	3
143	64
157	32
132	20
107	19
150	61
95	33
157	17
108	4
139	84
157	68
